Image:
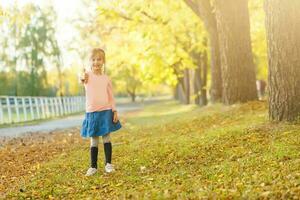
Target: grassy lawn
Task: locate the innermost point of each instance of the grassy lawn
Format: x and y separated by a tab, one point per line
166	151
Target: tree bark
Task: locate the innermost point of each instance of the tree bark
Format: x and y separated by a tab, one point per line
175	92
200	79
132	94
203	99
283	38
216	77
197	79
183	83
183	88
187	85
238	72
204	10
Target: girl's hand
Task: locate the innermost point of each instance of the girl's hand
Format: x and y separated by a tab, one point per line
84	77
115	118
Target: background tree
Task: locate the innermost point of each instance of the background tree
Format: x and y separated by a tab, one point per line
238	72
160	43
11	28
205	11
29	44
200	77
37	44
258	38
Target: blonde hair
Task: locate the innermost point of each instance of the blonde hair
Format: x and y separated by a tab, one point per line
101	52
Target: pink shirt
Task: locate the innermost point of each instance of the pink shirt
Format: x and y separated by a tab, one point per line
98	93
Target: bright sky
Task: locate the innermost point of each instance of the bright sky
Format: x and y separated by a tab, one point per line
66	10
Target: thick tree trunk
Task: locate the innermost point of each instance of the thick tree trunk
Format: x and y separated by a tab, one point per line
283	38
204	10
238	72
216	78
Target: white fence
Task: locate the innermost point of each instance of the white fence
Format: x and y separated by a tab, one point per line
19	109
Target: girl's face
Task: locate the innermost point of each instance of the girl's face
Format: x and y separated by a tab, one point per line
97	62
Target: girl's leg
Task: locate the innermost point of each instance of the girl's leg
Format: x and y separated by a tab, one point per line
107	148
94	151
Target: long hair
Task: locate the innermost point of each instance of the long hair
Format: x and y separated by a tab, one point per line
101	52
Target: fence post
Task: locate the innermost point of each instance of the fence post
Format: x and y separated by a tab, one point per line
31	108
69	105
72	103
56	106
1	112
55	99
17	109
52	107
24	108
37	108
65	105
47	111
43	108
48	100
8	110
61	106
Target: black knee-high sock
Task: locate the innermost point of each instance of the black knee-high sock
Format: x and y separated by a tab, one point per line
94	157
108	152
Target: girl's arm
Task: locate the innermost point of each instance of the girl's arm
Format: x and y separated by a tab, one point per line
111	95
84	77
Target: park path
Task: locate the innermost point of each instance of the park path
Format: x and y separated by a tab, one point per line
62	123
71	121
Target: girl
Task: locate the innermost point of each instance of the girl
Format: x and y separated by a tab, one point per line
101	116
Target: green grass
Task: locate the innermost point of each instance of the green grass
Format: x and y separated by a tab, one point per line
173	151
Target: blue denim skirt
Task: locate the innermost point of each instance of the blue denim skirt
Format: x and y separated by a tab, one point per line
99	123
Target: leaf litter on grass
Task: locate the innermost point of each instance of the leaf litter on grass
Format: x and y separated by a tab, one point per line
218	151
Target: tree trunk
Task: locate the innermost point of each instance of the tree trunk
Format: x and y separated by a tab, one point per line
203	99
204	10
197	80
175	92
187	85
238	72
216	78
283	38
183	91
132	97
200	79
132	94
